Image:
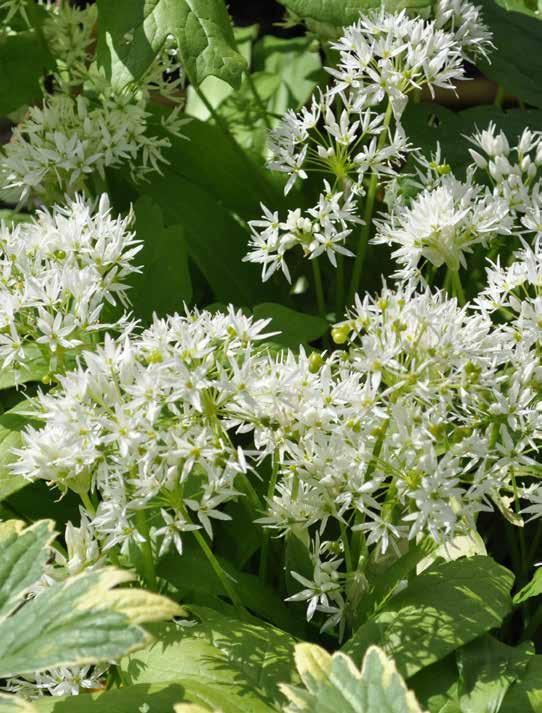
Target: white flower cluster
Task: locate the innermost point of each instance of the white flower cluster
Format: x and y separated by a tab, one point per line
441	224
513	171
431	416
87	125
500	196
322	230
146	424
346	134
465	21
56	274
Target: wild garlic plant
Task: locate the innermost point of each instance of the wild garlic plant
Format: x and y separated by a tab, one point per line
86	125
58	273
352	133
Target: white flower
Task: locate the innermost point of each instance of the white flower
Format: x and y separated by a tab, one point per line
464	20
442	224
56	274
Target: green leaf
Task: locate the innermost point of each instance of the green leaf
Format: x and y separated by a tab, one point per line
525	696
206	189
345	12
133	699
24	59
449	605
295	327
516	64
488	669
81	620
427	124
383	585
334	685
532	589
437	686
296	63
34	367
240	661
23	554
193	576
206	42
132	32
164	283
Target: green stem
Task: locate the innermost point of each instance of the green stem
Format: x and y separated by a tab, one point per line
318	286
339	289
346	547
368	214
87	502
264	554
499	96
456	286
149	573
222	576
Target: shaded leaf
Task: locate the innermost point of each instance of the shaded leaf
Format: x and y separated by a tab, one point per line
347	11
244	662
488	669
24	59
164	283
133	699
295	327
193	576
516	64
525	696
449	605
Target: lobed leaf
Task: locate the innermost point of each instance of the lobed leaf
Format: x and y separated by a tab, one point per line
334	685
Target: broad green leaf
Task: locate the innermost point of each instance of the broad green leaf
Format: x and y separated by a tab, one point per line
216	90
447	606
81	620
532	589
206	41
295	327
164	283
345	12
525	696
334	685
382	585
193	576
516	64
24	59
131	33
437	686
133	699
23	554
488	669
242	660
206	189
296	63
